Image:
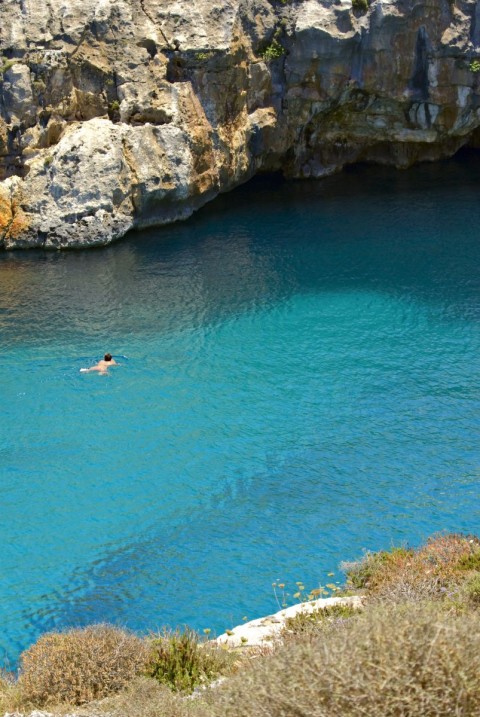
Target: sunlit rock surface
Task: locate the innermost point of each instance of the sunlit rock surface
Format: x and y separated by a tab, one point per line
116	114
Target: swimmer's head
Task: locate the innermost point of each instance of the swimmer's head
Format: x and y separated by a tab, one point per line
107	357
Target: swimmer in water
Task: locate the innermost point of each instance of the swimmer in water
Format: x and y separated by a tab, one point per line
102	366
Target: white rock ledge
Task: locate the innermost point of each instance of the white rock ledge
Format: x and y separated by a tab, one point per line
264	629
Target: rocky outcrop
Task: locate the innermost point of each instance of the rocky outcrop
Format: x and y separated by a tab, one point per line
265	630
116	114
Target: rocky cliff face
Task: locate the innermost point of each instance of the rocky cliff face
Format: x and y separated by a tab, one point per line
117	114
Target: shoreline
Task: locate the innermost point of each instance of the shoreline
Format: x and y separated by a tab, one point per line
263	630
423	609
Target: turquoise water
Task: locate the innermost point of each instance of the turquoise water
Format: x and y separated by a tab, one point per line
302	383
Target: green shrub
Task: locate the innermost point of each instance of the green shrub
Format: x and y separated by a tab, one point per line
114	106
203	56
360	5
182	661
6	65
431	571
475	66
471	590
310	623
412	662
470	562
273	51
80	665
365	573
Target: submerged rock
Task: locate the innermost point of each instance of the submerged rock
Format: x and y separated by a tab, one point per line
119	114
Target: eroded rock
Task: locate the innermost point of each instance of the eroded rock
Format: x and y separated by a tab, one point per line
117	114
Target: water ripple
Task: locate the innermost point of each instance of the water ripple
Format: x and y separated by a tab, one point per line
302	383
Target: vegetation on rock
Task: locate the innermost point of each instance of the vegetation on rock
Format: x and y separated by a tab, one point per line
399	660
273	51
436	571
182	661
413	650
360	5
5	65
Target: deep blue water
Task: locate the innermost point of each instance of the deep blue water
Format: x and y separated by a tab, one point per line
302	383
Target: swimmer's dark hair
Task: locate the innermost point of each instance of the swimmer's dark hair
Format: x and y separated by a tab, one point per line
107	357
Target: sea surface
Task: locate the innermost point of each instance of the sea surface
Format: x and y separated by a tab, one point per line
299	382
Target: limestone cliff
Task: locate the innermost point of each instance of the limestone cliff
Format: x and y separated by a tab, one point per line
117	114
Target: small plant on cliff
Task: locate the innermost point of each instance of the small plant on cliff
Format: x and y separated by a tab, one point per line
182	661
360	5
471	591
273	51
114	106
6	65
433	571
203	56
311	623
475	66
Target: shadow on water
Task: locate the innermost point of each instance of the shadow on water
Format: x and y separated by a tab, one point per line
370	227
162	568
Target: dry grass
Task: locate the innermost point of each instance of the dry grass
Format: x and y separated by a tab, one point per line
469	593
413	661
10	696
433	571
145	697
77	666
